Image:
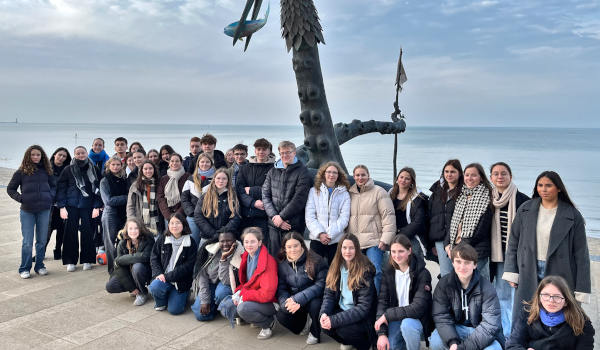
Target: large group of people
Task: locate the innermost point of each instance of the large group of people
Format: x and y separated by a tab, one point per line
226	234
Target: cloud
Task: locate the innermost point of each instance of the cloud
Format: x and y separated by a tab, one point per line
547	51
452	7
588	29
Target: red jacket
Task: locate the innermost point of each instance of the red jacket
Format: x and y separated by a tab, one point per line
261	288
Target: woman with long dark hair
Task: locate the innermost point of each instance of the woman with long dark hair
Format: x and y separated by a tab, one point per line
553	319
547	238
327	209
78	197
404	302
154	156
301	274
349	304
506	199
410	208
113	190
59	161
472	217
34	179
441	207
142	201
165	156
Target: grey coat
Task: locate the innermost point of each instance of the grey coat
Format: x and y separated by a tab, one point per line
567	256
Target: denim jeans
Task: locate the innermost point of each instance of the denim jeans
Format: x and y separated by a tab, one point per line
443	258
195	230
31	222
405	334
506	295
165	294
541	270
375	255
436	343
218	292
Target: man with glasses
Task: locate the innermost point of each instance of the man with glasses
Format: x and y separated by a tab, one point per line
240	152
284	195
465	308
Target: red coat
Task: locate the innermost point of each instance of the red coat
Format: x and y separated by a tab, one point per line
261	288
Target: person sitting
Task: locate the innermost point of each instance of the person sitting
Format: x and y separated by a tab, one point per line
404	304
301	273
215	274
132	270
465	308
172	261
553	319
348	311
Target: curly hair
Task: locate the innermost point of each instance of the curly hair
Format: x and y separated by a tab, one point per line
342	180
27	165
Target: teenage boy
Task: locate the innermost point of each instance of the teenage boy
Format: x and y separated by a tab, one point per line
248	183
240	152
194	150
208	143
121	149
284	195
466	309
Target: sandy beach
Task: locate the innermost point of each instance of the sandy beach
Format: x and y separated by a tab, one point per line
72	310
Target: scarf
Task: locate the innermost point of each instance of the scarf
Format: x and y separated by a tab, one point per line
468	212
203	175
90	173
149	211
551	319
99	159
508	197
171	188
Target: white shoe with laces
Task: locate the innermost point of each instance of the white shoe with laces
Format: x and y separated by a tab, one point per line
140	299
25	275
70	268
87	266
311	340
42	271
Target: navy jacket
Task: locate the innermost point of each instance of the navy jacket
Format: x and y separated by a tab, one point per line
68	195
295	283
37	190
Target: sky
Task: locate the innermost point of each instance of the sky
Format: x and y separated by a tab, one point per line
469	63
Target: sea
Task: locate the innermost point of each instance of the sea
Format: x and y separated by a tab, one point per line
573	153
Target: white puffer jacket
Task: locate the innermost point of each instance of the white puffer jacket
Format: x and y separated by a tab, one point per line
329	214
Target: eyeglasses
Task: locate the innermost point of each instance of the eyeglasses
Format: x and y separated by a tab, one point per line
286	153
555	298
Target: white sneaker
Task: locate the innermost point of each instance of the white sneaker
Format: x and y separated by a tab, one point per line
87	266
160	308
306	328
25	275
311	340
42	271
265	333
70	268
140	299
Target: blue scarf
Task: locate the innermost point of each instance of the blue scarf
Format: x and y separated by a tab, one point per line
552	319
99	159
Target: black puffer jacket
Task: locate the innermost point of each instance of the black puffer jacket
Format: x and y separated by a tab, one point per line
125	260
252	175
539	336
285	192
181	276
483	314
295	283
419	297
365	304
210	227
188	197
481	239
37	189
219	161
440	214
68	195
418	218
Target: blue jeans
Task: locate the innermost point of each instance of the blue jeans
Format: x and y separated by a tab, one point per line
29	222
218	292
195	230
443	258
165	294
375	255
405	334
541	270
436	343
506	296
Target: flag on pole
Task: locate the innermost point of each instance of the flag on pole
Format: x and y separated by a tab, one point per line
400	74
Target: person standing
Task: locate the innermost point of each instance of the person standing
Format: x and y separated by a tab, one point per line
208	143
284	195
142	203
506	199
98	155
38	187
194	151
249	183
163	163
327	210
372	218
78	197
547	238
193	189
170	186
441	208
240	152
472	217
121	149
59	161
113	190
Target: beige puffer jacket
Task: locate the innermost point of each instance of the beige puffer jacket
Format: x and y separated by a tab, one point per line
372	215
